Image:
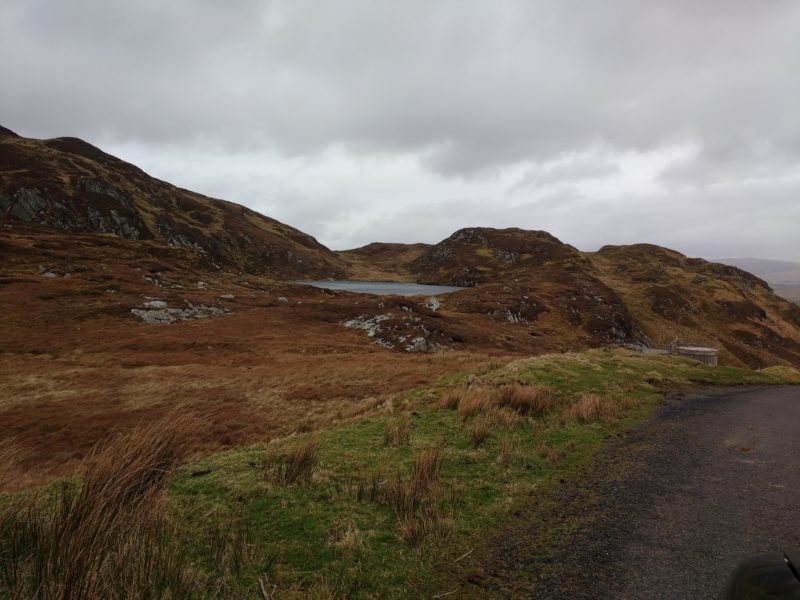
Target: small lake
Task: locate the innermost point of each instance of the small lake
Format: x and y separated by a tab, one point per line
384	288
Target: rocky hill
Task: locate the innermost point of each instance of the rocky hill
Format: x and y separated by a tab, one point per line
526	291
66	183
640	294
482	254
673	297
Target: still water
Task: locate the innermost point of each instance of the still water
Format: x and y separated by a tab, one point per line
384	288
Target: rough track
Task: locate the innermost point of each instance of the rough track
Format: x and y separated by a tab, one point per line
711	479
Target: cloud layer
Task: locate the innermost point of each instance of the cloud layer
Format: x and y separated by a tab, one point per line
672	122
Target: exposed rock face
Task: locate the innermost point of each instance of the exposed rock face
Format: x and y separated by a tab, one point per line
67	184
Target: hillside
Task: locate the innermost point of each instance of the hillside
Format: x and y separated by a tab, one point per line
66	183
382	261
640	294
783	276
673	297
526	291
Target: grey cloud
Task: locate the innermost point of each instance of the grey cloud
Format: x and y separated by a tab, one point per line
471	85
467	88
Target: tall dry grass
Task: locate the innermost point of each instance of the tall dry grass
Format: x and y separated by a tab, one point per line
397	431
527	399
105	537
591	408
11	454
480	430
417	499
530	400
296	464
475	401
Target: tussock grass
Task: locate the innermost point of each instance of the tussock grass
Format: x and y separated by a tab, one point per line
474	402
504	418
479	431
295	464
533	400
450	399
527	399
105	537
417	498
593	408
371	514
397	431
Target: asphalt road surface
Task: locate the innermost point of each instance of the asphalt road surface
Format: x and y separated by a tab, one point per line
722	483
712	479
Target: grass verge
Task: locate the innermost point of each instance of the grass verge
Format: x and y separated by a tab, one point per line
380	507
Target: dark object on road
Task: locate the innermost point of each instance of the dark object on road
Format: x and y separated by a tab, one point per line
765	576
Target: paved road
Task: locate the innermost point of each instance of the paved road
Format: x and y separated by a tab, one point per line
712	479
721	485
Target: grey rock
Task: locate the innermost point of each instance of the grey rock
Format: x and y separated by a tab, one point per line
419	344
155	304
227	297
282	300
154	316
433	303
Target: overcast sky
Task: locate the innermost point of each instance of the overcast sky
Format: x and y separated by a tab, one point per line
667	121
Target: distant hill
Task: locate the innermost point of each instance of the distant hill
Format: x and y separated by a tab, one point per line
66	183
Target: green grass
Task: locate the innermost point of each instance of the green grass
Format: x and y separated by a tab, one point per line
335	533
302	522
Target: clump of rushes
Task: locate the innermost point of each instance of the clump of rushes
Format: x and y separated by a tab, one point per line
450	399
417	498
591	408
397	431
106	537
480	429
527	399
296	464
475	401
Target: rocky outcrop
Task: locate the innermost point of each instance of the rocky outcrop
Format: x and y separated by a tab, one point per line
68	184
479	255
158	312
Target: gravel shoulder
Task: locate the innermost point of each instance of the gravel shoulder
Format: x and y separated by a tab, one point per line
665	512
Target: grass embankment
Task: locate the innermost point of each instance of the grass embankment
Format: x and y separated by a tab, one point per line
377	508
